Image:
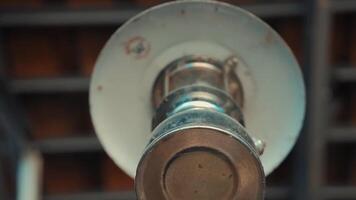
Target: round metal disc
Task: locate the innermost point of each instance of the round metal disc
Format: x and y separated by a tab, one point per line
120	92
200	164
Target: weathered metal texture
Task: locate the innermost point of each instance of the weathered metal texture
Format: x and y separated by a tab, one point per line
200	154
121	87
201	71
197	82
29	175
197	97
313	144
192	154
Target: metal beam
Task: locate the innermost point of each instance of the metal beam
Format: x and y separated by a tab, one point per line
278	193
276	9
93	196
318	80
68	145
66	17
342	6
116	16
47	85
345	74
337	192
3	186
342	134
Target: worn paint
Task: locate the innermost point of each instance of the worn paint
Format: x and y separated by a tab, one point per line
99	88
269	38
138	47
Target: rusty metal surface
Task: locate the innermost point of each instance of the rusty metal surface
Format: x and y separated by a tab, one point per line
192	154
200	154
198	82
198	70
200	173
200	163
197	97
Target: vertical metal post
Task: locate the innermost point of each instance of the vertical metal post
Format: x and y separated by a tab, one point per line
3	188
12	120
2	54
29	175
318	31
3	191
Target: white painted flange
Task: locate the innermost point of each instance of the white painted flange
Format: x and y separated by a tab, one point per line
120	91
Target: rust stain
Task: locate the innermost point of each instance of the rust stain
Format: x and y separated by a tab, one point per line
269	38
138	47
99	88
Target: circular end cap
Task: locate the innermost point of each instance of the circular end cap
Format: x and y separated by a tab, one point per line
199	163
200	174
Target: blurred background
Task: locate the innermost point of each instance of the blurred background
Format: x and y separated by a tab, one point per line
47	52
